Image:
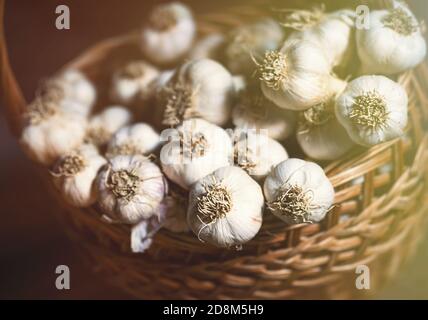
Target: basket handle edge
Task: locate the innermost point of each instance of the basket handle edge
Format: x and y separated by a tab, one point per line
11	93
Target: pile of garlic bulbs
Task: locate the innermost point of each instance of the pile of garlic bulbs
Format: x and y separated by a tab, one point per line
217	157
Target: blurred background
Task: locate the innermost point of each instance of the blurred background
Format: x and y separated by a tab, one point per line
32	241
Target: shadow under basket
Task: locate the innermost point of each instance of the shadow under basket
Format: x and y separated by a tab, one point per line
378	220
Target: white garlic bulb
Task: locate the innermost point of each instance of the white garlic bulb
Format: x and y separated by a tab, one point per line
319	133
71	91
298	191
331	31
130	188
207	47
251	41
200	88
139	138
75	173
169	33
226	207
373	109
254	111
297	76
102	126
50	131
196	149
133	81
392	43
258	154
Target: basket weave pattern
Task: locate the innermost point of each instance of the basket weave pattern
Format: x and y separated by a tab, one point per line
378	219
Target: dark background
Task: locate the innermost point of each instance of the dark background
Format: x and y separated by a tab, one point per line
32	241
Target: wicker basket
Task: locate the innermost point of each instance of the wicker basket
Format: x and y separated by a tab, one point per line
377	222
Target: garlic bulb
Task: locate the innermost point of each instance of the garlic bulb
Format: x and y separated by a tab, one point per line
226	207
258	154
196	149
200	88
298	191
331	31
392	43
373	109
169	33
71	91
130	188
207	47
75	173
319	133
102	126
139	138
176	203
50	131
254	111
251	41
297	76
133	81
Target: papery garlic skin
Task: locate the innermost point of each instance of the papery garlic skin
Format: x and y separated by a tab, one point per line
169	33
71	91
143	232
133	81
251	41
297	76
200	88
139	138
254	111
258	154
102	126
74	174
373	109
298	191
226	207
130	188
333	32
140	239
198	149
50	132
207	47
383	50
